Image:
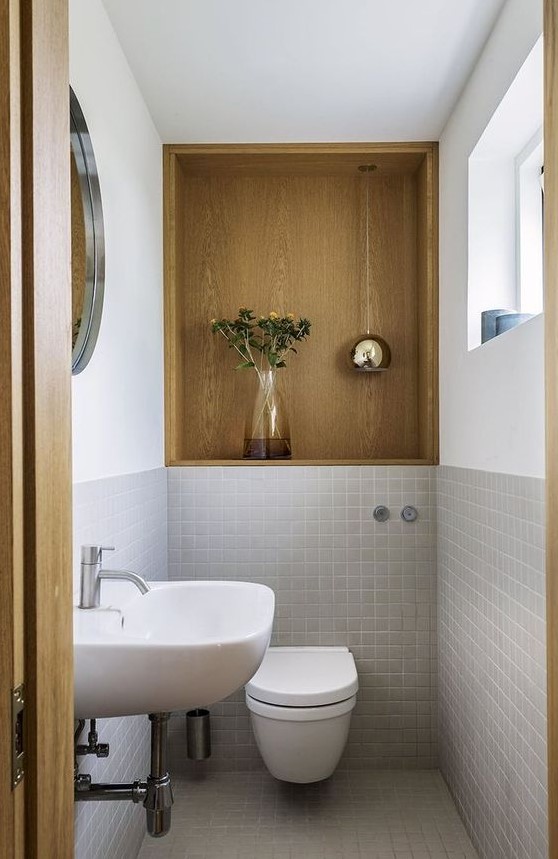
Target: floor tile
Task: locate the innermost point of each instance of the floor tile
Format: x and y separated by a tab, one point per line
373	815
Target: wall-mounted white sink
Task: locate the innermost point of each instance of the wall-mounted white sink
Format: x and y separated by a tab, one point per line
181	645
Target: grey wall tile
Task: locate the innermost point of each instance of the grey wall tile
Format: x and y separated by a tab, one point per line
129	512
339	578
492	658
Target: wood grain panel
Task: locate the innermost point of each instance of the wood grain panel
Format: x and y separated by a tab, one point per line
286	463
427	273
269	163
174	354
551	353
12	838
47	428
293	242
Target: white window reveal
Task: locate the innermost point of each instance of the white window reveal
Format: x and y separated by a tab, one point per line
505	275
529	215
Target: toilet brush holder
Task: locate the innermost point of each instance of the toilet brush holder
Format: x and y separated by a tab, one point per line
198	735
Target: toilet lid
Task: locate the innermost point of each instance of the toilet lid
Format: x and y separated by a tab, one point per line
304	676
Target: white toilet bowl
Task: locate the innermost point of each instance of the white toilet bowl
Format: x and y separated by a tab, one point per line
300	703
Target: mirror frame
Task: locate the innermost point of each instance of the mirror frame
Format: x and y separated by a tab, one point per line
82	150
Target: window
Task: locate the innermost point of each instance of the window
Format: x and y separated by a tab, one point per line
505	259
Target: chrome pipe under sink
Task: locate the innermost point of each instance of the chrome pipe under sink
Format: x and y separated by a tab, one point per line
155	793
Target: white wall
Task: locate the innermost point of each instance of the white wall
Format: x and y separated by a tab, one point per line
118	399
491	399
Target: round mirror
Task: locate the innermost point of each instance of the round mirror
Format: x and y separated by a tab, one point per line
88	241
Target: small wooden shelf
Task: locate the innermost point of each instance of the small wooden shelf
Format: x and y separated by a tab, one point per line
282	227
299	462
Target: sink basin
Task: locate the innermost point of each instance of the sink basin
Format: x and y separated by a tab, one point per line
181	645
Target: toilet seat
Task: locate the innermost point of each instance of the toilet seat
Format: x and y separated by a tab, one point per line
304	677
300	714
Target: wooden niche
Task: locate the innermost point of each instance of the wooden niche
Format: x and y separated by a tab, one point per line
282	228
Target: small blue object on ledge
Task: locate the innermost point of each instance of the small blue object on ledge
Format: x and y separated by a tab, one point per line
510	320
494	322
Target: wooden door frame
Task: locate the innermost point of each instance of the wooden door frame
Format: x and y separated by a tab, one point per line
11	424
36	818
47	422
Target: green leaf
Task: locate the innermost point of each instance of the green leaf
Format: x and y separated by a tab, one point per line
281	364
244	365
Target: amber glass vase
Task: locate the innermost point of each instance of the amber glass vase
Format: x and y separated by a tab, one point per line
267	434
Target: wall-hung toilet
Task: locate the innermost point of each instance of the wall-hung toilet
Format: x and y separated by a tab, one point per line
300	703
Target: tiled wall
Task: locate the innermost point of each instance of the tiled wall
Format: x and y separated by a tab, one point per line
130	513
339	578
491	603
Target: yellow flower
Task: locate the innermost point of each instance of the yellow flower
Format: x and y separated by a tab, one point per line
273	315
290	316
213	321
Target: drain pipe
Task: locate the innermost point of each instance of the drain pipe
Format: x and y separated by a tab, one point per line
85	791
159	799
155	793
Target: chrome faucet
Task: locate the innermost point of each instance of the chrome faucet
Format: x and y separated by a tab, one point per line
92	572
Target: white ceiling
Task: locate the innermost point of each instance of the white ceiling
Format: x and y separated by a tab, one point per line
304	70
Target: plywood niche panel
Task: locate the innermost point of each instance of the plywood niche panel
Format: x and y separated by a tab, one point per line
283	228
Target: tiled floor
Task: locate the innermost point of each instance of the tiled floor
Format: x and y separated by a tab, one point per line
374	815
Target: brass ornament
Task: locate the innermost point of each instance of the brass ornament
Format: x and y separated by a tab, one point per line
371	354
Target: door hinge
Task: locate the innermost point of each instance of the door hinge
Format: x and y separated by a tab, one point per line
18	749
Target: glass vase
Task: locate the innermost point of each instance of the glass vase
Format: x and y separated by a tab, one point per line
267	434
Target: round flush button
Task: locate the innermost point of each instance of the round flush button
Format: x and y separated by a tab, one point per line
409	513
381	513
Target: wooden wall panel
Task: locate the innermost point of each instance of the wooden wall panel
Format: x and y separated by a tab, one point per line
427	273
174	340
294	241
